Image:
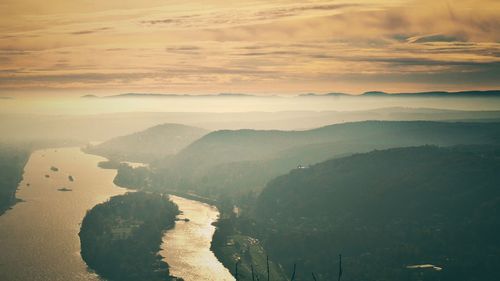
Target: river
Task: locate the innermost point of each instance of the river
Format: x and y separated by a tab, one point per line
186	248
39	237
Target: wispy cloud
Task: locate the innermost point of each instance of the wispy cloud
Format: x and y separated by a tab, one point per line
249	46
435	38
82	32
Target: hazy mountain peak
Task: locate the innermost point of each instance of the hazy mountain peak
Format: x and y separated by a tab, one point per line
151	144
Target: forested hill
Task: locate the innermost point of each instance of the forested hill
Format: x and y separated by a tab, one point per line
241	145
242	160
149	145
386	210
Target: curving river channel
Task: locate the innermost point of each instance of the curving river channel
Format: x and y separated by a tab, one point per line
39	237
186	248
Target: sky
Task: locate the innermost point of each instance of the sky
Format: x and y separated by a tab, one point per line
71	48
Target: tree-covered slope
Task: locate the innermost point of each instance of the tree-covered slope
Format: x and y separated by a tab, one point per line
152	144
386	210
243	160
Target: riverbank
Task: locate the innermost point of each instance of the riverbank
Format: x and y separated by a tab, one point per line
120	238
192	239
14	156
232	247
225	246
12	162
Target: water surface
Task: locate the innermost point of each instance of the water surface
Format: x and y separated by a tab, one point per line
39	237
186	248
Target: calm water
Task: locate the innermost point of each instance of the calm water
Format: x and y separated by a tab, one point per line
39	237
186	248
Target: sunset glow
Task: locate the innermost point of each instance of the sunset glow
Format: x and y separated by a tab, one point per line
261	47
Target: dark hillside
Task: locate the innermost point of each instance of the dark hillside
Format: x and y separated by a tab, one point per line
385	210
243	160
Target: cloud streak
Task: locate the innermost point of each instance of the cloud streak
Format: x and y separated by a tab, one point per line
90	31
251	46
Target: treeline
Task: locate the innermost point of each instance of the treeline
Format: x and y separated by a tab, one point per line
120	238
137	178
130	177
12	162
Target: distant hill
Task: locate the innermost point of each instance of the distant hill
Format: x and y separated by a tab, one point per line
461	94
386	210
149	145
226	161
144	95
488	93
333	94
152	95
438	94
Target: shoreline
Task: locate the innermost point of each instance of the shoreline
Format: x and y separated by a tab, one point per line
12	190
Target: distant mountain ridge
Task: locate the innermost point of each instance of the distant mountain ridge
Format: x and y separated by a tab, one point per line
485	93
461	94
242	160
325	95
155	95
489	93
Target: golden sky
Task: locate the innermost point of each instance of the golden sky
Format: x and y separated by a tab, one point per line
247	46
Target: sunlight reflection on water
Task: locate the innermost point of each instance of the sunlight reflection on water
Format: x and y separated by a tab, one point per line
186	248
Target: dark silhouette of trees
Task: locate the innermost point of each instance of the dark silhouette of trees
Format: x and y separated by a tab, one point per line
12	161
120	238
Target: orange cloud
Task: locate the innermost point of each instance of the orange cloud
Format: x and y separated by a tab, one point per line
248	46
